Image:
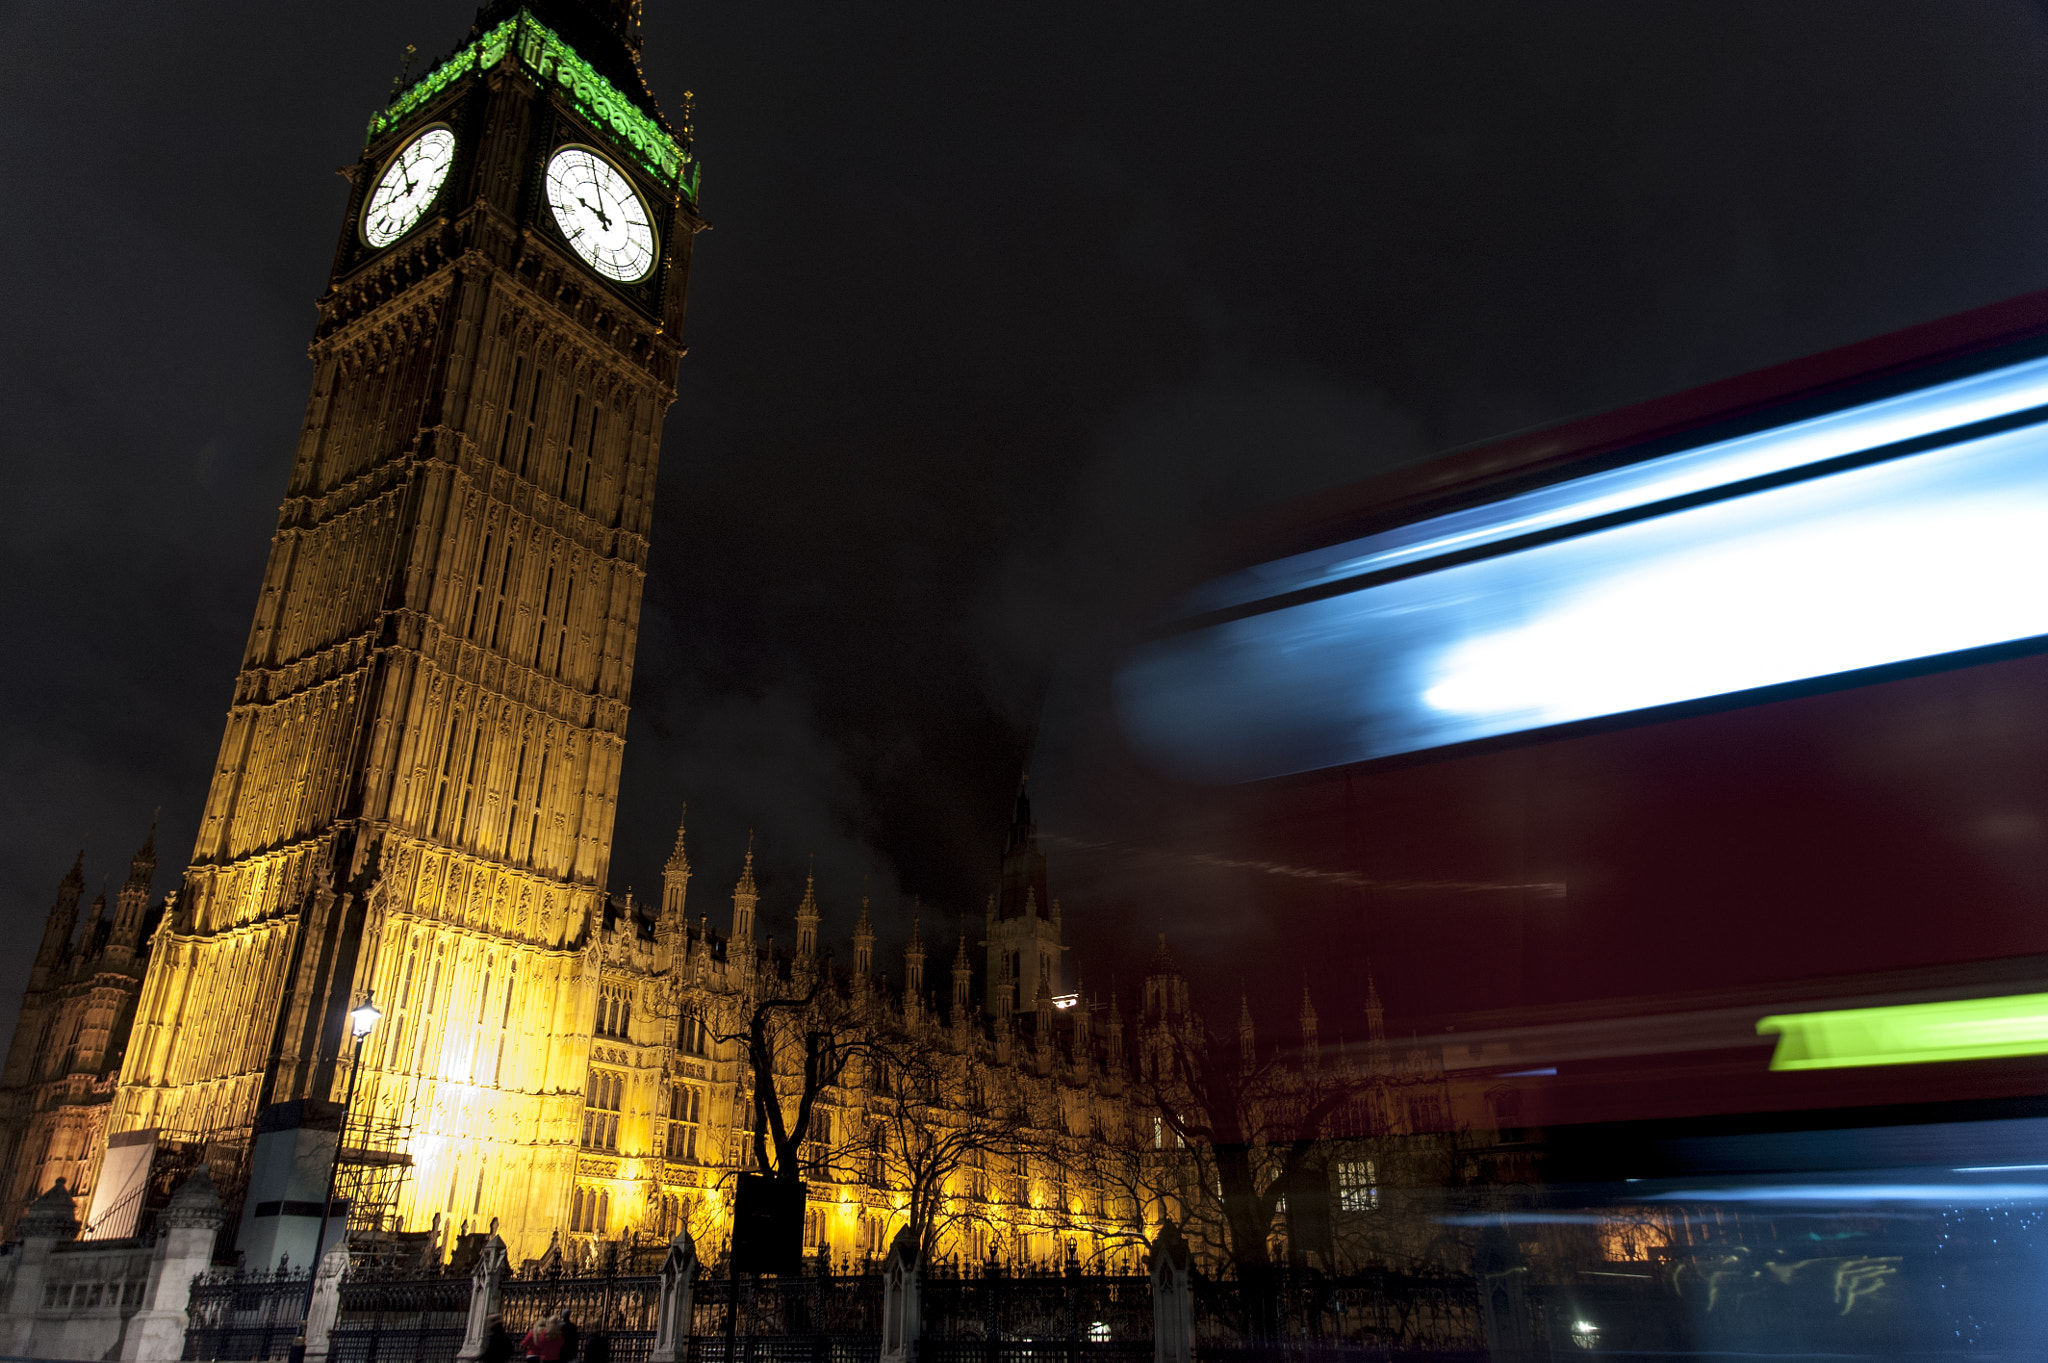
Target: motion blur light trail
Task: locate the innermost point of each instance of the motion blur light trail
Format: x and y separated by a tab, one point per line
1909	416
1910	1033
1540	889
1915	556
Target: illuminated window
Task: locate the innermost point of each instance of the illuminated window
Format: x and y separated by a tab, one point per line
1358	1185
605	1091
685	1110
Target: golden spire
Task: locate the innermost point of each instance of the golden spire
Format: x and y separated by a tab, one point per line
746	885
678	859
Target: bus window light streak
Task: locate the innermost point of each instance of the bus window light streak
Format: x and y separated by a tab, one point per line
1908	416
1910	1033
1910	558
1855	1194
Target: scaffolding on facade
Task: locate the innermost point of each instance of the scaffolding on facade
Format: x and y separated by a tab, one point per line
371	1170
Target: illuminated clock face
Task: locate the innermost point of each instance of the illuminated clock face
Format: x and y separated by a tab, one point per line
601	215
408	187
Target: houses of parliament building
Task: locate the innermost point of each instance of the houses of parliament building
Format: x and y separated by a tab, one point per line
416	785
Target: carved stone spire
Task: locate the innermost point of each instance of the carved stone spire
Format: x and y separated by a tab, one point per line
864	942
1308	1028
672	926
745	896
1166	989
63	918
133	901
913	966
142	867
807	916
1247	1040
1023	891
963	981
679	858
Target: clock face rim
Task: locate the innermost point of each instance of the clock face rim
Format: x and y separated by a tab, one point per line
603	272
384	173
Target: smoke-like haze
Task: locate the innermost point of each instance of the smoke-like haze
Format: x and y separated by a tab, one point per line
1003	308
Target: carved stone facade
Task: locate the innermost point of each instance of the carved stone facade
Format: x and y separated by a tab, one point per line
668	1111
70	1036
415	790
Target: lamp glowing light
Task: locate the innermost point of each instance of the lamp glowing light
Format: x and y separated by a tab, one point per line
364	1016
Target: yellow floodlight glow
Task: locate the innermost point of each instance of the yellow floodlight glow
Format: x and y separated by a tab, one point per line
1910	1033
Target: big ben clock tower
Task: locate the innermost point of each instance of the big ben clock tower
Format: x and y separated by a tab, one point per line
415	791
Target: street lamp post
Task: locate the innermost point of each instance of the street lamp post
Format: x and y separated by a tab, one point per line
360	1020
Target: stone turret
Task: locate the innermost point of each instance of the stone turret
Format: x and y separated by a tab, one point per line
963	982
93	939
1310	1053
60	924
913	968
133	902
1166	989
1024	943
1247	1039
745	896
53	1216
807	918
864	943
675	889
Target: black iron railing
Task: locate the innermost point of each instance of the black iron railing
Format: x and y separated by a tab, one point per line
400	1320
244	1316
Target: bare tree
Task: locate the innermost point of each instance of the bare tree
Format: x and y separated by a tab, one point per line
799	1036
938	1117
1244	1131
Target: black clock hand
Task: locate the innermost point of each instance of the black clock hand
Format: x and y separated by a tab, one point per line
601	215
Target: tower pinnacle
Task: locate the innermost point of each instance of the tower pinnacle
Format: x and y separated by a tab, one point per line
913	966
864	942
807	916
745	895
675	887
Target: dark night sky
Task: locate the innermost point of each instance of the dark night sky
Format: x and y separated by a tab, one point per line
1003	305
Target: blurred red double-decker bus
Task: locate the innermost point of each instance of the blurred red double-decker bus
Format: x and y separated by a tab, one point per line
1736	700
1673	783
